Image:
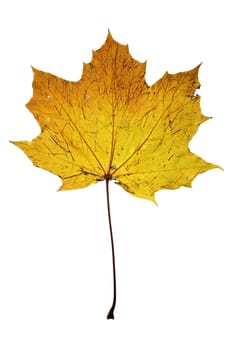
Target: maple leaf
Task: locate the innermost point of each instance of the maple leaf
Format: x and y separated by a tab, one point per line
110	125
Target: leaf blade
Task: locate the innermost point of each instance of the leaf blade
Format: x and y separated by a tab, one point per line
112	125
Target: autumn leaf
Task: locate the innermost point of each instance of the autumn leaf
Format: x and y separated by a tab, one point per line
110	125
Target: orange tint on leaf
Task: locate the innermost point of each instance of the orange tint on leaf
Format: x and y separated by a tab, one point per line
112	125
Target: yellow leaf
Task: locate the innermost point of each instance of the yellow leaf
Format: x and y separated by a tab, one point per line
112	125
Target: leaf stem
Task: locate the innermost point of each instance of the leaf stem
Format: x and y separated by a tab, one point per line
110	314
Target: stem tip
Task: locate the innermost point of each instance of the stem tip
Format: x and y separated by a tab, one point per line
110	315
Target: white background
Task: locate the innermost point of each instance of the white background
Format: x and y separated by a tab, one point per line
174	261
